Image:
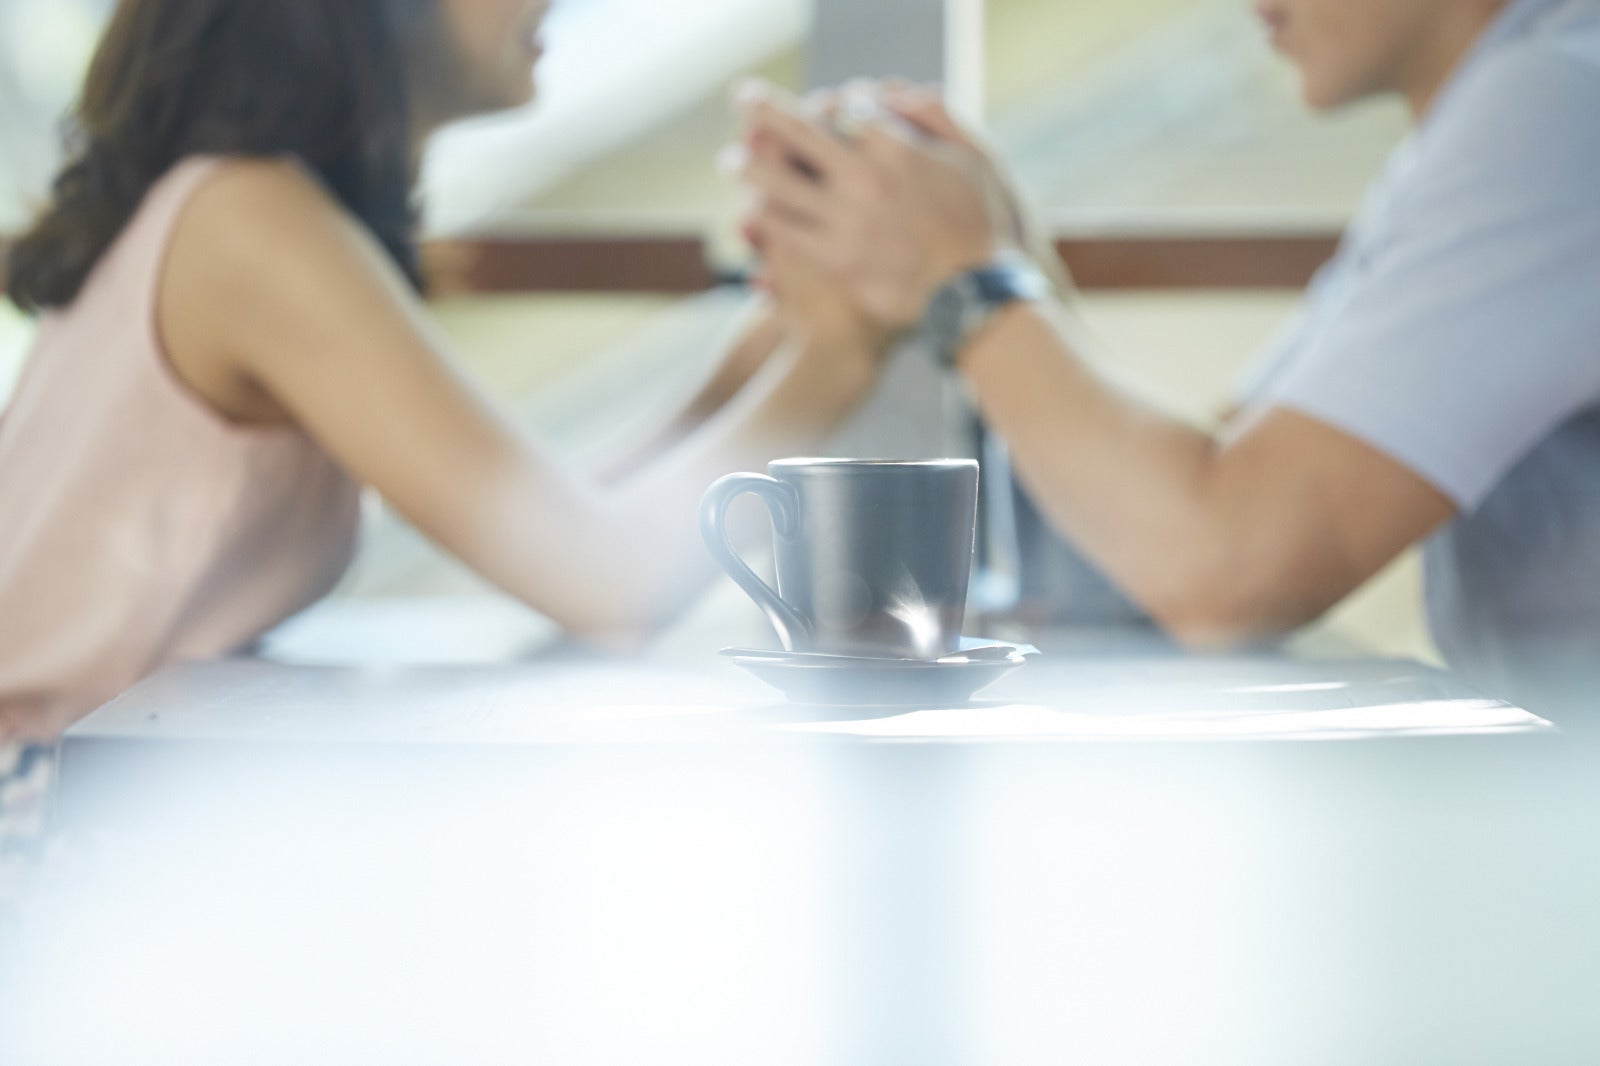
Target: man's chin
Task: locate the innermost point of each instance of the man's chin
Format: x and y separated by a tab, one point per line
1316	100
1326	96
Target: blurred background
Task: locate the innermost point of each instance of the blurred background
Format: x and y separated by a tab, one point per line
1120	117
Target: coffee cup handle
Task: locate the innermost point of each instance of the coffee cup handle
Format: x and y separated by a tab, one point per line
794	632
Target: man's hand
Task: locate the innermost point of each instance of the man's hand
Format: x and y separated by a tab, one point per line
889	214
923	108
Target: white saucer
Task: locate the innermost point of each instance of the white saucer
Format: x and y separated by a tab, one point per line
864	681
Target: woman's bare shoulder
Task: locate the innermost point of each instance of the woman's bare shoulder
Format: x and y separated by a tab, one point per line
264	263
262	215
263	239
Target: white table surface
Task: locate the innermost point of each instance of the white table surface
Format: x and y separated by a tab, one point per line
1060	698
1115	857
481	671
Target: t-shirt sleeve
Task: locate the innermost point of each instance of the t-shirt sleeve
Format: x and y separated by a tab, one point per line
1473	331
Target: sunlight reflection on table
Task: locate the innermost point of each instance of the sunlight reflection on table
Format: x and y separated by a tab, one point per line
1012	721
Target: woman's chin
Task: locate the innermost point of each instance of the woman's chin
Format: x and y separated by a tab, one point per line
522	92
511	98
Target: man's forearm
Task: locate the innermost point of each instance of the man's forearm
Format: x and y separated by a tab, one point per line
1133	488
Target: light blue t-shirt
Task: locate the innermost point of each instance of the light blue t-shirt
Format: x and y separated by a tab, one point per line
1458	331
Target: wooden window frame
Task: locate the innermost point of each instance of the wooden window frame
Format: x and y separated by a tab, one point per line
680	264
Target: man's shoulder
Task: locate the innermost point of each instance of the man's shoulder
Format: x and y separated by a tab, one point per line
1562	50
1524	112
1572	33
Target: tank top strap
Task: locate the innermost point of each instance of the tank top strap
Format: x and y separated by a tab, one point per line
151	229
133	277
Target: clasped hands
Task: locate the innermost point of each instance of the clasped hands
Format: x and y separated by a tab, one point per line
864	202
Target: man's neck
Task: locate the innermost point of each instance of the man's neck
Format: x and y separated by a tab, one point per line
1444	47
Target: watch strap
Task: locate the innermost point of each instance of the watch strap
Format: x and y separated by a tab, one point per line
966	303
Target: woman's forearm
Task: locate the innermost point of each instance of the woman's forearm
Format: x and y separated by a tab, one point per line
638	543
755	345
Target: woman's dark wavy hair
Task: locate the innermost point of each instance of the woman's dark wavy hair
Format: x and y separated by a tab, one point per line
324	81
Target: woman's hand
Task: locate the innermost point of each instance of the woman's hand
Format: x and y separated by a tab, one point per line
888	216
835	352
809	305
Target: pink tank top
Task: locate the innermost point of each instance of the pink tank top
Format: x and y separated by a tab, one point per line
137	526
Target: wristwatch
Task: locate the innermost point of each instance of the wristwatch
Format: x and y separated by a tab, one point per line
967	302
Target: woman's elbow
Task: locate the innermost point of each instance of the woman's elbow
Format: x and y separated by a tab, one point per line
619	616
613	626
